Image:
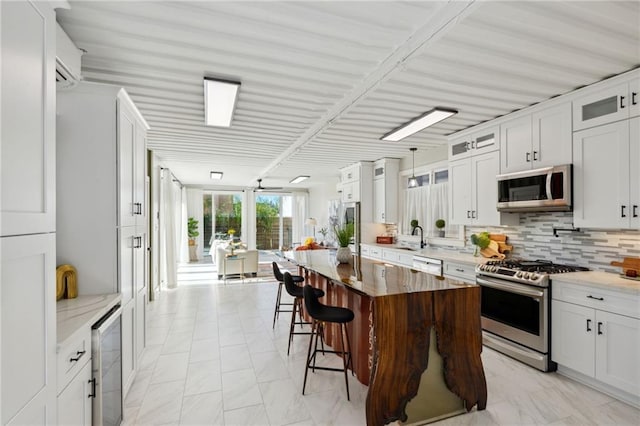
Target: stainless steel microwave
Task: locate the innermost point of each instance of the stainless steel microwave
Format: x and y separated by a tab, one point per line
546	189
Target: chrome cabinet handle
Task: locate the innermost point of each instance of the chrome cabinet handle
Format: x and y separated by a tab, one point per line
600	328
588	325
596	298
79	355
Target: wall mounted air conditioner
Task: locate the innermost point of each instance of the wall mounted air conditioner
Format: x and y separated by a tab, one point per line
68	60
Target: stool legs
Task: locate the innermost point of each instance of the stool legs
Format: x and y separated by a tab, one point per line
276	312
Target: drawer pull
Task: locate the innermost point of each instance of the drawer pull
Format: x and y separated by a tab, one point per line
600	328
588	325
79	355
459	270
595	298
93	388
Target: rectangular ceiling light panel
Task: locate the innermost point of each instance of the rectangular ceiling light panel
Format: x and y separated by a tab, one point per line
425	120
220	98
216	175
298	179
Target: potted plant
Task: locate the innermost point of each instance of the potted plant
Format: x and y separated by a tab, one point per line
192	233
480	241
440	224
323	231
344	234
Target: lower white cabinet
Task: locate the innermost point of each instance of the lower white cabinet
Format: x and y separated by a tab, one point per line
128	346
461	271
74	403
590	339
141	324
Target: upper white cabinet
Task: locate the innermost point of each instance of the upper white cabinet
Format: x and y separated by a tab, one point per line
606	176
473	192
385	190
475	142
606	103
596	332
28	118
357	186
538	139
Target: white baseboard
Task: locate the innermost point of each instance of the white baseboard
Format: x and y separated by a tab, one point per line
616	393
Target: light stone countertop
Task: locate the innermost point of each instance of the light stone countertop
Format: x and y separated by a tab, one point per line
74	315
451	255
599	279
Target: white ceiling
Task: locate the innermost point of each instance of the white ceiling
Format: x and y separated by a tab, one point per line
323	81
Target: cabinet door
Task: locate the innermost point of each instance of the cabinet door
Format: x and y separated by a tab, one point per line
139	175
634	172
484	188
604	106
634	98
618	351
27	170
128	345
460	148
127	241
573	337
460	192
487	140
379	201
601	176
141	321
28	339
515	145
350	174
74	403
126	152
552	137
139	254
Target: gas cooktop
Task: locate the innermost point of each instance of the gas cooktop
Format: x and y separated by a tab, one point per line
525	271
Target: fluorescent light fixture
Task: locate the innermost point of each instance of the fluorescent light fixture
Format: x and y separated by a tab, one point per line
298	179
215	175
425	120
220	98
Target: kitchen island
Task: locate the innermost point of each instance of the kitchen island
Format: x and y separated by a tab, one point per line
416	338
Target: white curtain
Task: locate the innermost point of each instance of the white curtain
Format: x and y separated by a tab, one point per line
299	217
438	206
416	200
183	235
168	232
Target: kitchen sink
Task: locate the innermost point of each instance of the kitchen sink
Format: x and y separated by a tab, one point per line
406	248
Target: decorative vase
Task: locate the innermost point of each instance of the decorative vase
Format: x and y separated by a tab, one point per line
441	234
343	255
475	252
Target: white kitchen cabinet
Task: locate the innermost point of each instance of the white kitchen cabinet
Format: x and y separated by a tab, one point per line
607	102
74	403
28	340
351	192
606	178
475	142
357	186
596	332
28	118
141	322
473	192
385	190
129	360
539	139
461	271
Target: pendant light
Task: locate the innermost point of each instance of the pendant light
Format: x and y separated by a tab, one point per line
413	182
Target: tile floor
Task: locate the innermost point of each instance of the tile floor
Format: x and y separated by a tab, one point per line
213	359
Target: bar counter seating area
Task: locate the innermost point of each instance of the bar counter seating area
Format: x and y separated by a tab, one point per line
415	339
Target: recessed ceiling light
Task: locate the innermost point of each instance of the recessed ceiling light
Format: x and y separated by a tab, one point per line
215	175
220	98
425	120
298	179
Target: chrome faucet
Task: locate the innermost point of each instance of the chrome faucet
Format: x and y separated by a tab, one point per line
413	232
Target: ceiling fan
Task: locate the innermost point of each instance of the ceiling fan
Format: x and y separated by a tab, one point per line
261	188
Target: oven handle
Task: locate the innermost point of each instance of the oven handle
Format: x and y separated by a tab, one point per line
512	288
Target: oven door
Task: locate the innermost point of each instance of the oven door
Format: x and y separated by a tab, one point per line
517	312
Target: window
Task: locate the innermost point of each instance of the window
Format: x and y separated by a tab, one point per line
221	212
274	216
423	180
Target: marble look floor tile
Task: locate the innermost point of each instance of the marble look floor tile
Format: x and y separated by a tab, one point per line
177	342
205	330
202	409
269	366
240	389
254	415
204	350
171	367
138	388
260	342
235	357
283	402
162	404
157	335
130	415
231	335
203	377
150	357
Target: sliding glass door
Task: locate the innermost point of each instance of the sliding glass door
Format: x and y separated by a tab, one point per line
222	212
274	214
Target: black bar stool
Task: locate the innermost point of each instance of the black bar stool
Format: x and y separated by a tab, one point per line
296	292
321	314
278	275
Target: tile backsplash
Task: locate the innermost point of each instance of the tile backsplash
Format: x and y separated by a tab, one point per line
534	239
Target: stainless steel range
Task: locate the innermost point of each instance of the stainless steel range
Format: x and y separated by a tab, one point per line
516	308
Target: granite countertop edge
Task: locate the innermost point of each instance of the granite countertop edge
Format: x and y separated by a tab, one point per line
74	316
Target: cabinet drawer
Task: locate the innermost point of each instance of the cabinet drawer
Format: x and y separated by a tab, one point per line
375	252
365	250
405	259
72	357
390	255
463	271
598	298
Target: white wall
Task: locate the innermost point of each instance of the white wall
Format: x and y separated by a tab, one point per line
425	156
319	197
